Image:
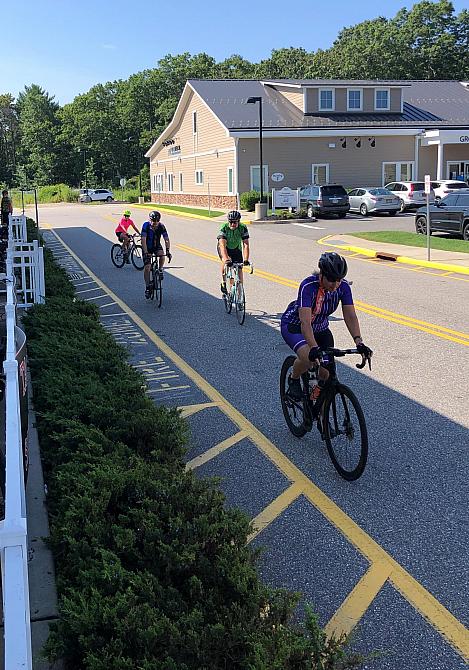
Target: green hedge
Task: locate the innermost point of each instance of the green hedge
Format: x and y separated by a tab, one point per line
248	199
52	193
153	571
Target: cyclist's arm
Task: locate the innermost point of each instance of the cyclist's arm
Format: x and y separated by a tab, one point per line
245	250
135	228
351	321
144	243
306	326
223	249
166	241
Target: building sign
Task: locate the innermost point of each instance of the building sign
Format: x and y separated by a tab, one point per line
278	176
285	198
172	151
464	138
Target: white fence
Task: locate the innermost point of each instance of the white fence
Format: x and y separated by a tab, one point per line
24	267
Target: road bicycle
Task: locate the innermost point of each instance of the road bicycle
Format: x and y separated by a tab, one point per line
337	412
156	282
119	255
235	290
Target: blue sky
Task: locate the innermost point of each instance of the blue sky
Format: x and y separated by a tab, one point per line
66	47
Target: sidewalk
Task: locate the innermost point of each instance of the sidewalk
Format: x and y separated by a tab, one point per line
448	261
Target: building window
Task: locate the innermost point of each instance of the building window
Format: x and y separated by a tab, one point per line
181	190
354	99
256	178
326	99
320	173
194	122
398	171
199	176
230	181
170	178
382	99
158	183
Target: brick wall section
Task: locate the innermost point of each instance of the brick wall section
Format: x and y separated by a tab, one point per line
220	201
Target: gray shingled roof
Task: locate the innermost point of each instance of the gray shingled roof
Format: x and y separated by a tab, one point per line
427	104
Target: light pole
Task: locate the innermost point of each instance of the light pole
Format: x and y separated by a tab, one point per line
129	139
251	101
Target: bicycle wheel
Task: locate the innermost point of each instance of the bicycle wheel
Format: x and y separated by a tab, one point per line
345	433
228	297
240	305
158	287
152	281
293	410
136	256
117	255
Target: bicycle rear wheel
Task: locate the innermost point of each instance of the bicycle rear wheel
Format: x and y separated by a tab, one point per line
345	433
136	256
293	410
117	255
240	305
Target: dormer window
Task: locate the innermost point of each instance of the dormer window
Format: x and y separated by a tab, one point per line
354	100
326	100
382	99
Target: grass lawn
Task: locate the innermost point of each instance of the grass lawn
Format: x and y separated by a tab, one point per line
415	240
184	210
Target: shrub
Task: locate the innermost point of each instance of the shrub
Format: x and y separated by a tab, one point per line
153	570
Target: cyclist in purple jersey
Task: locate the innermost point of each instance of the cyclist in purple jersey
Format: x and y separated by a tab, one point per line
305	322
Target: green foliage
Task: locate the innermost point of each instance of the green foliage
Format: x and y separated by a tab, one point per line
153	570
248	199
52	193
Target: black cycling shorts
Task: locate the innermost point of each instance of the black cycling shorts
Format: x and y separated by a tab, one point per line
236	255
5	218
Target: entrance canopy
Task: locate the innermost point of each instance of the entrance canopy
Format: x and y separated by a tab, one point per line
439	138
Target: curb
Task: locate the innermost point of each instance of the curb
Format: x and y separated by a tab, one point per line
406	260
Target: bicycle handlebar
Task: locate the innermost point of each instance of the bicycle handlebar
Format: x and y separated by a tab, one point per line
337	353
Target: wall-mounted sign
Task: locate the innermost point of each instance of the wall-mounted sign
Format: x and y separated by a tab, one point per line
278	176
174	150
285	197
464	138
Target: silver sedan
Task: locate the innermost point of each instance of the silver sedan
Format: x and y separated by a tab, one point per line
373	199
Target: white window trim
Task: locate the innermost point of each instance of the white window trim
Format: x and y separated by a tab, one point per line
326	109
230	167
383	109
181	182
266	176
318	165
170	178
194	118
355	109
197	182
398	172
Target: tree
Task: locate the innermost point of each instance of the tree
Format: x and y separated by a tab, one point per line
8	137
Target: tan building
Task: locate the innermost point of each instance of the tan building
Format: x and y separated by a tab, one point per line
314	131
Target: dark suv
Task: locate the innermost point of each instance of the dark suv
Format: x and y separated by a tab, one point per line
449	215
324	199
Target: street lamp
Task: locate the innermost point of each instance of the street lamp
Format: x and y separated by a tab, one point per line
251	101
129	139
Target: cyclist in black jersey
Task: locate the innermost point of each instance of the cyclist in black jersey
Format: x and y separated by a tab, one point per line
152	232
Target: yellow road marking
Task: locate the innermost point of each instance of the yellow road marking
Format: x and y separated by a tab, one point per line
372	310
276	507
216	450
431	609
189	410
359	599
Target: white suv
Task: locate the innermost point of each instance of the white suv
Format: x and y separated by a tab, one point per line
410	193
96	194
443	187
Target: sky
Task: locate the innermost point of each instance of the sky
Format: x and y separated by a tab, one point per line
66	47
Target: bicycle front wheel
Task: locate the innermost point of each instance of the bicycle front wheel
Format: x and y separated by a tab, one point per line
117	255
345	433
158	288
240	303
137	257
227	297
293	410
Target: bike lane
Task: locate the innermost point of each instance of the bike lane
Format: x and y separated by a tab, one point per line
312	545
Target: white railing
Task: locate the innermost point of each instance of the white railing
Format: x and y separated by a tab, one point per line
17	228
13	529
28	264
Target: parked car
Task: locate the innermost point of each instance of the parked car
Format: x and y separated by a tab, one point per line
410	193
373	199
324	199
90	195
444	187
449	215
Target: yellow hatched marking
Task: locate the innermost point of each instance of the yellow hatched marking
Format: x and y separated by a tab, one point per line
358	600
432	610
216	450
276	507
189	410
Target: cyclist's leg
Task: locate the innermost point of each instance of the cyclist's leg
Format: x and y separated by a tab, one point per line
298	344
146	269
223	271
325	339
161	258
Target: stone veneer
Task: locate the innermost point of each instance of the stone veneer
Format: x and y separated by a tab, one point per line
220	201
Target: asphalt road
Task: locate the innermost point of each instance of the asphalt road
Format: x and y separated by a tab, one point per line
410	505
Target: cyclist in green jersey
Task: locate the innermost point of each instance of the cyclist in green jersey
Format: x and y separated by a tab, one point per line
233	245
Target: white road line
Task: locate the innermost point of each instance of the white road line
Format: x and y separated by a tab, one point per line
308	225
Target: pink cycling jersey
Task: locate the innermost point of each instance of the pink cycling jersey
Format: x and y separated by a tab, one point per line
124	225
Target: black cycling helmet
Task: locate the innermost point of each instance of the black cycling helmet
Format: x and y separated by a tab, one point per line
234	216
154	216
333	266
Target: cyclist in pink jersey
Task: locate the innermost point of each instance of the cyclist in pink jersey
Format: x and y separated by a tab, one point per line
123	235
